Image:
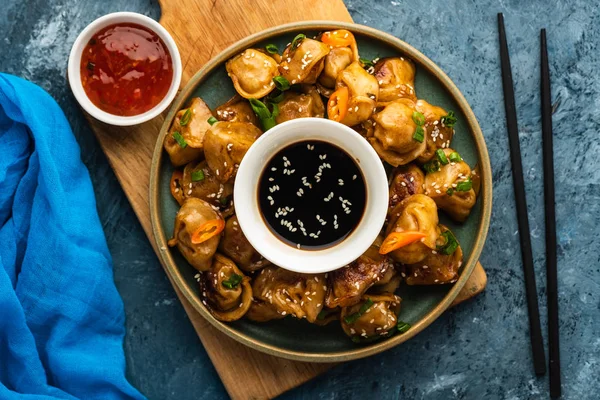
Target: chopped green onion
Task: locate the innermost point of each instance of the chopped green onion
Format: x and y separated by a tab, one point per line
403	326
455	157
352	318
266	117
418	118
449	120
419	134
450	192
90	65
212	120
464	186
366	63
233	281
297	40
272	49
451	244
432	166
281	83
224	201
325	314
197	176
187	115
441	156
180	140
276	96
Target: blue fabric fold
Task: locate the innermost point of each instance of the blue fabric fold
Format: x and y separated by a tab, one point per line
61	317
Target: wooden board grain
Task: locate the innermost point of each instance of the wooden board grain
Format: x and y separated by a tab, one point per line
202	28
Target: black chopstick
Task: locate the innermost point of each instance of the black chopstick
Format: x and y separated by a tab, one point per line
535	330
551	270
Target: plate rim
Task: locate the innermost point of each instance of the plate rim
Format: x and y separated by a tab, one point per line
485	191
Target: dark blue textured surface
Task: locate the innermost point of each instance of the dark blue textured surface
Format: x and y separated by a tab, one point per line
478	350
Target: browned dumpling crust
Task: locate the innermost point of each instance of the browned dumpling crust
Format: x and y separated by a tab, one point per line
201	182
393	134
447	188
437	134
261	311
236	109
291	293
226	291
437	268
304	63
225	144
396	78
374	316
195	125
235	246
407	180
300	105
192	214
335	62
417	213
252	73
363	93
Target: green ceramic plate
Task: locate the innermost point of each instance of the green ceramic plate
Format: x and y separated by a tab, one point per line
291	338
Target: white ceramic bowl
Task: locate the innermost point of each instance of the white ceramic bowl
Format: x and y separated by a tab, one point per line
84	37
248	209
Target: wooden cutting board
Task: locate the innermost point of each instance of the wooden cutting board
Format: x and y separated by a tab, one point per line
202	28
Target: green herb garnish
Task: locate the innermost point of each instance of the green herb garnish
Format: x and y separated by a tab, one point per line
266	117
325	314
281	83
197	176
455	157
224	201
449	120
179	139
450	245
90	65
272	49
187	115
233	281
418	118
464	186
441	156
366	63
432	166
212	120
276	96
350	319
419	134
450	192
297	41
403	326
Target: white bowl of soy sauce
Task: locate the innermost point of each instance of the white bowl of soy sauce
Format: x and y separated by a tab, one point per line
311	195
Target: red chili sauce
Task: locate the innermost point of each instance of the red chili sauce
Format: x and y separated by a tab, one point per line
126	69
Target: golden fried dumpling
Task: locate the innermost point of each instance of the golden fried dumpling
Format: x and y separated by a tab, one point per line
201	182
396	77
449	184
225	144
440	266
261	311
235	246
417	213
438	134
236	109
363	93
406	181
349	283
191	216
335	62
393	135
373	317
300	105
300	295
183	142
252	73
302	61
226	291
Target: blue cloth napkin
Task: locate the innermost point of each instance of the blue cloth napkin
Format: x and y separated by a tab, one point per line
61	317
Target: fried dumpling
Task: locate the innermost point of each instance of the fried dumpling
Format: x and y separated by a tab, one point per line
236	109
300	295
302	61
394	133
417	213
235	246
201	182
300	105
396	77
406	181
252	72
184	141
448	182
226	291
373	317
191	216
363	93
438	127
335	62
225	144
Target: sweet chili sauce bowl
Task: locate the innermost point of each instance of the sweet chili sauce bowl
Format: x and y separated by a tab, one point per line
74	67
249	212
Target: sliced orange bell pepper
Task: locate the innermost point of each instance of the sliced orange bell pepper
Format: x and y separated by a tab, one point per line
341	38
337	106
395	240
207	230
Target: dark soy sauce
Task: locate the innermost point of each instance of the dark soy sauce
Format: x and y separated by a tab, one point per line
312	195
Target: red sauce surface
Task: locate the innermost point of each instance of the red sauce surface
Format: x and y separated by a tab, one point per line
126	69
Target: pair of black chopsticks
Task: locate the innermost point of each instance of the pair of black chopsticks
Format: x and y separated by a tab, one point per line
535	331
